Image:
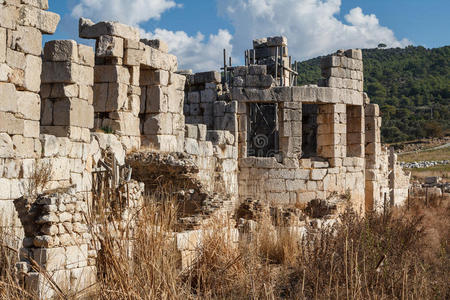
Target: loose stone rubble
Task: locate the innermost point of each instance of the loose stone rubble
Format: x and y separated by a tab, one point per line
74	119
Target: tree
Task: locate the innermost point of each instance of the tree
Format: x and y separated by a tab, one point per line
381	45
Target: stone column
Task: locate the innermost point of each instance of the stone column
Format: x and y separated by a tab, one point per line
355	131
290	128
372	154
332	133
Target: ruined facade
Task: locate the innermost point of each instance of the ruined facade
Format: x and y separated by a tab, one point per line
71	114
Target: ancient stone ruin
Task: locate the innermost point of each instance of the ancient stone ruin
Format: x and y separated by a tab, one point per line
73	119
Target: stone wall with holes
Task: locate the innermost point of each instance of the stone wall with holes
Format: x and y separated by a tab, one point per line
288	177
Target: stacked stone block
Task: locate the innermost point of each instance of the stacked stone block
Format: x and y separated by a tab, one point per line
162	99
203	90
343	70
373	155
332	132
355	131
67	96
57	239
215	154
22	24
265	52
300	181
118	56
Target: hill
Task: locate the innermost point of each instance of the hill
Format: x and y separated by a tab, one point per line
411	85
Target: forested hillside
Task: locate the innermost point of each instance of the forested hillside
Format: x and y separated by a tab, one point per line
411	85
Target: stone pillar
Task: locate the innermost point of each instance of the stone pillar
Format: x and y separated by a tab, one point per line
118	56
355	131
290	128
21	29
343	70
332	133
67	114
162	118
372	154
66	91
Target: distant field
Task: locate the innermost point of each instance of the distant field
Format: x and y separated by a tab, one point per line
441	171
427	155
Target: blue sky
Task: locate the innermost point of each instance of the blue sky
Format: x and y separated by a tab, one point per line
197	30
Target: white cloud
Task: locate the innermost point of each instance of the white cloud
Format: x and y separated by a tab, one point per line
311	26
131	12
194	51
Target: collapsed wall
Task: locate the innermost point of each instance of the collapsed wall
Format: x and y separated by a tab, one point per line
74	121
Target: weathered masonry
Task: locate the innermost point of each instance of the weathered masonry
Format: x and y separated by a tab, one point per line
73	118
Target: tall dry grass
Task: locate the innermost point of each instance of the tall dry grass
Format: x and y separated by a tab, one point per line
402	254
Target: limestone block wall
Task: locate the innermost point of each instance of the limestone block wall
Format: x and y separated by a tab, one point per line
57	239
215	154
201	92
300	181
206	102
21	27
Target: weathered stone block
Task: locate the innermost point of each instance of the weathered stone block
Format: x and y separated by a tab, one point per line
66	72
10	124
156	59
157	100
27	40
160	124
61	50
191	131
15	59
178	81
133	57
6	147
8	16
90	30
2	45
32	79
205	77
109	46
161	142
45	21
29	105
156	44
86	55
42	4
193	97
111	73
8	102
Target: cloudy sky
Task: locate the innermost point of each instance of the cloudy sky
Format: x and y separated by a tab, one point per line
198	30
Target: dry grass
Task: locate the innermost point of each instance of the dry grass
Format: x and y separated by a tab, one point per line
401	254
